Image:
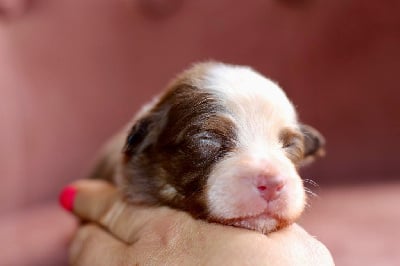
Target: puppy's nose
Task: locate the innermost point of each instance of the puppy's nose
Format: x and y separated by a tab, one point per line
270	187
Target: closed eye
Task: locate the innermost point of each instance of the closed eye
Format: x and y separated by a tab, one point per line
289	140
288	144
202	146
292	144
207	142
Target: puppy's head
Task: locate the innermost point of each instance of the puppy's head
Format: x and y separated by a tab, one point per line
222	143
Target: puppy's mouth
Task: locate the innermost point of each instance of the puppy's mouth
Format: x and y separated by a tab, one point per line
265	221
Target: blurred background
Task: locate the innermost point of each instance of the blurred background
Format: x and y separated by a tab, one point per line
72	72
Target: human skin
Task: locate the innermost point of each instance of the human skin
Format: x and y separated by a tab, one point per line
117	233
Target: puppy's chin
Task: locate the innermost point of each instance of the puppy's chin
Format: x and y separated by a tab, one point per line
264	222
269	220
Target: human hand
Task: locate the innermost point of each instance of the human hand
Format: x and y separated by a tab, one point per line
119	233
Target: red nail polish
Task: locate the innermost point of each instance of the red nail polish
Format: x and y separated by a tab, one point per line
67	197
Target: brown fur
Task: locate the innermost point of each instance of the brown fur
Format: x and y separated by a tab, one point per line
174	146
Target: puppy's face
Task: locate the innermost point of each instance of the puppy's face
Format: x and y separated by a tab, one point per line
223	143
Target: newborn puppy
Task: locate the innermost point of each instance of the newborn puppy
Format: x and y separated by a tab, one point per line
222	143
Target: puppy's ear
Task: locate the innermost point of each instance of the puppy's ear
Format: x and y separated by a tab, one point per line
144	133
314	143
136	136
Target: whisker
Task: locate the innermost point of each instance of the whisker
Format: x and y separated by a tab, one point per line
311	182
309	191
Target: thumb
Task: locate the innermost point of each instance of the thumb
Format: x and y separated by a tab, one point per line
100	202
90	200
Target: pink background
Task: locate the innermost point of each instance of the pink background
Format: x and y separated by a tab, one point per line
72	72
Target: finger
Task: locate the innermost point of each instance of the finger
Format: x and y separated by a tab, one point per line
100	202
89	199
92	245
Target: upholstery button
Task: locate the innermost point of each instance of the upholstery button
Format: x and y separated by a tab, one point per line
159	8
13	8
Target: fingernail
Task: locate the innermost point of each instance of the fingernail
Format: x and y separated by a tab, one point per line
67	197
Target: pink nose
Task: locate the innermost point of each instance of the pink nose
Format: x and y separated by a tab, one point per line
270	188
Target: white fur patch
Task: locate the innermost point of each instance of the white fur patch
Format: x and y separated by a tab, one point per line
260	110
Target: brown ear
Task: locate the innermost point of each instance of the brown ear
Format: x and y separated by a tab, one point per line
314	143
136	136
145	132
